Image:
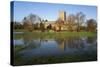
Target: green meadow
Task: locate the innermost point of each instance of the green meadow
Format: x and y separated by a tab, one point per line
54	34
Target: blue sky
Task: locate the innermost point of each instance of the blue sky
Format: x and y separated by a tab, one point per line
50	11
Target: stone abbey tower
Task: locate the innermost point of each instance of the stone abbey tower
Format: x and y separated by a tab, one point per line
62	15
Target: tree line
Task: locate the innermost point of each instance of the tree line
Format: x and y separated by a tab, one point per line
79	20
76	22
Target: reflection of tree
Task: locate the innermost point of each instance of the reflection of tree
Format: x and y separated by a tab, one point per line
71	42
91	40
29	42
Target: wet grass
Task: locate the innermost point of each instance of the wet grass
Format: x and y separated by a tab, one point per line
54	59
18	48
48	35
66	58
19	30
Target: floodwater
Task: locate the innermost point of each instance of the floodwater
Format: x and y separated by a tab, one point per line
55	47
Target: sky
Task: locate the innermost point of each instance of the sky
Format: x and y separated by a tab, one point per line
49	11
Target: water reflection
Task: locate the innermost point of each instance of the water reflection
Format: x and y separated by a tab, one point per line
69	42
54	47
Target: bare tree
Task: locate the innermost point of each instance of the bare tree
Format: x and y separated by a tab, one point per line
71	18
42	27
30	21
91	25
28	25
80	18
59	23
71	22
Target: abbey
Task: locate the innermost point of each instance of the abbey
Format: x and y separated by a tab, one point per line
63	23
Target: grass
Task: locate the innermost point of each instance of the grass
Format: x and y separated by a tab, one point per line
55	59
17	48
53	34
19	30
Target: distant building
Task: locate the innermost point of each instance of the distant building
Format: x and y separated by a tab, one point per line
46	24
61	24
62	15
55	26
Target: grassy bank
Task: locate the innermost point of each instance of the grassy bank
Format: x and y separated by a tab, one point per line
53	34
54	59
19	30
